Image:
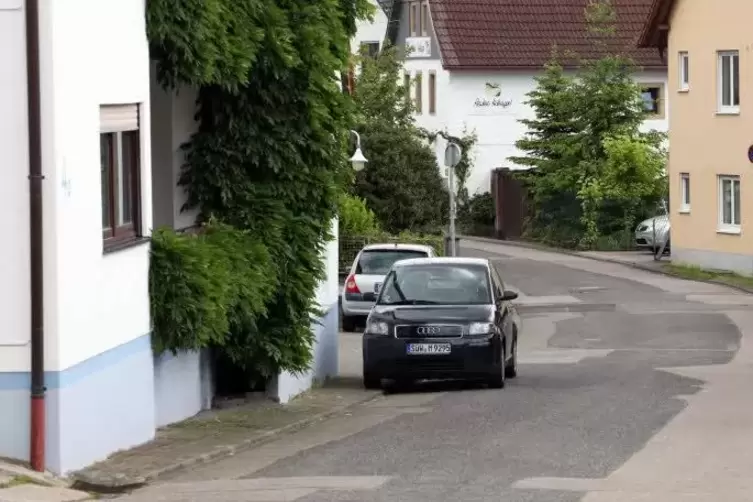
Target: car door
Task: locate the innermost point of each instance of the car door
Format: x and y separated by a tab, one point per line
504	310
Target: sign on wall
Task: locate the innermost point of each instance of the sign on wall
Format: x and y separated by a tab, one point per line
418	47
492	100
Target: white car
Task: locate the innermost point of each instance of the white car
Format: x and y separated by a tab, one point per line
367	274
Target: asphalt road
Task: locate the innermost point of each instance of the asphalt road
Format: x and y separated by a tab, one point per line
593	390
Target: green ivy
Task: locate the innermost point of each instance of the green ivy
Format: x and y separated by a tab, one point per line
269	159
202	285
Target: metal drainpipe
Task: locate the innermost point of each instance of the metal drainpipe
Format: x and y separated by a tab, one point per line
37	440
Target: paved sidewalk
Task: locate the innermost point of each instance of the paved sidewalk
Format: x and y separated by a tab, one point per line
20	484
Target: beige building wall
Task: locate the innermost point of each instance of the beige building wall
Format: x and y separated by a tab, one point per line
705	143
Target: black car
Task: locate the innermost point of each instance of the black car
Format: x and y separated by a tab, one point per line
441	318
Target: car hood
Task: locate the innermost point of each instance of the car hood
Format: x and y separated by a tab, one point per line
433	313
661	221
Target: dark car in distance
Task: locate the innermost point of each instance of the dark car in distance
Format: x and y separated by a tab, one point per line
441	318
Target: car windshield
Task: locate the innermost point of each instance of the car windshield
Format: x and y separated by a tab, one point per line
437	284
379	261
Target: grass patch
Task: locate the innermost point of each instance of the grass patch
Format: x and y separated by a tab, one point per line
695	273
19	480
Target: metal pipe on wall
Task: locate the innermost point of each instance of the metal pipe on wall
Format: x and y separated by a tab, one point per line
37	439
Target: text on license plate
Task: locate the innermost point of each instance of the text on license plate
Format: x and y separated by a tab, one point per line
429	348
377	286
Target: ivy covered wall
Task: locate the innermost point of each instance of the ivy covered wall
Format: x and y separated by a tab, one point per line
266	166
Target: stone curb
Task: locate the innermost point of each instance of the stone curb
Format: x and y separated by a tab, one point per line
603	259
121	484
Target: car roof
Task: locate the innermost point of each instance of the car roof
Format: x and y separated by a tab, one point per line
443	260
387	246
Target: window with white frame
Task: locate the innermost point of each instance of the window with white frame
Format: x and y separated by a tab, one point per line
729	203
120	154
684	193
729	81
683	70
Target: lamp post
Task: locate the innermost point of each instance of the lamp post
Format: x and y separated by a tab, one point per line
358	160
452	154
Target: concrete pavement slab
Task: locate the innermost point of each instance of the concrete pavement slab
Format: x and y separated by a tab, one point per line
38	493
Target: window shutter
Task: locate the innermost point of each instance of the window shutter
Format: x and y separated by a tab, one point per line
114	118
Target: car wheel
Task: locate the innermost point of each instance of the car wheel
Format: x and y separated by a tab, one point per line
371	381
497	380
349	323
511	369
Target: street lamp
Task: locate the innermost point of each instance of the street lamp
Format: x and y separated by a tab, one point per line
358	160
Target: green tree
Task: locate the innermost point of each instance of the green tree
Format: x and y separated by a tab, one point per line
568	140
401	183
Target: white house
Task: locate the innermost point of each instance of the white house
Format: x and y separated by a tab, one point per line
110	156
471	64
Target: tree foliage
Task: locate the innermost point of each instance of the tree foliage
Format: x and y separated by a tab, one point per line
270	155
584	129
401	183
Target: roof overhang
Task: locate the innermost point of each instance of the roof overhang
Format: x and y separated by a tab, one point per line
656	30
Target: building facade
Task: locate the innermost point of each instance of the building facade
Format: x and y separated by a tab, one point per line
110	158
711	151
471	65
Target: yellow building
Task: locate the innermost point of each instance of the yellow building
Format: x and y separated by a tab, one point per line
709	50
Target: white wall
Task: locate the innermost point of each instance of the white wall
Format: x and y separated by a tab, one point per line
14	190
370	31
103	299
498	128
172	125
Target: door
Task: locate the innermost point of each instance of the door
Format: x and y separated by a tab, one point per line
503	310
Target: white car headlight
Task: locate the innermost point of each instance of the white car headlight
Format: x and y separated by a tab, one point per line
377	328
480	328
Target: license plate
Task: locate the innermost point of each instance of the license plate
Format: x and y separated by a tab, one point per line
377	286
429	348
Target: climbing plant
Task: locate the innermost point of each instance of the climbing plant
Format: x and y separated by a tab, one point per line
269	157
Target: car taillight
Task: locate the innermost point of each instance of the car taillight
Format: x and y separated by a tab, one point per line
351	286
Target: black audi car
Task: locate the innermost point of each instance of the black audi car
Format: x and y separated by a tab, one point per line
441	318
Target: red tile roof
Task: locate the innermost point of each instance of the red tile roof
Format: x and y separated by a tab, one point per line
519	34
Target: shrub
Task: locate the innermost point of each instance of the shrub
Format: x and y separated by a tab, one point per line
205	286
355	218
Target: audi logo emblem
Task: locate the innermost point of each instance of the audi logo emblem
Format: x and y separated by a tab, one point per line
428	330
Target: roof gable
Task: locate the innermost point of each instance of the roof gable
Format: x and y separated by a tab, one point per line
520	34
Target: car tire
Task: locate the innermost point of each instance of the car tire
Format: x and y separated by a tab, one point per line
371	381
348	323
497	380
511	369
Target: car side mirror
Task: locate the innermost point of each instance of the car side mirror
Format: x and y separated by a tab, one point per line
508	296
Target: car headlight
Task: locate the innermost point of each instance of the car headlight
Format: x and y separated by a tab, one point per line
377	328
480	328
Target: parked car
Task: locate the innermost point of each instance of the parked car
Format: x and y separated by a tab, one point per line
644	233
367	275
442	318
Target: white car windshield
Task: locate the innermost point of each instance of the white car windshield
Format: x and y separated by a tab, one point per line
437	284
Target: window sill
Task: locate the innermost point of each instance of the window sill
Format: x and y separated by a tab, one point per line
730	112
728	230
683	91
684	210
121	245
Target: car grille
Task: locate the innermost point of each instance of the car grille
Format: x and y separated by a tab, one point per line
641	241
428	331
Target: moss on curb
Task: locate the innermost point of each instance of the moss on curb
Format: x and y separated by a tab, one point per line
695	273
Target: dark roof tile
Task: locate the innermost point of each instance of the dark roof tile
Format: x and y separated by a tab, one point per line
497	34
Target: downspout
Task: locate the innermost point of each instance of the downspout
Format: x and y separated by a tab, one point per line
37	439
